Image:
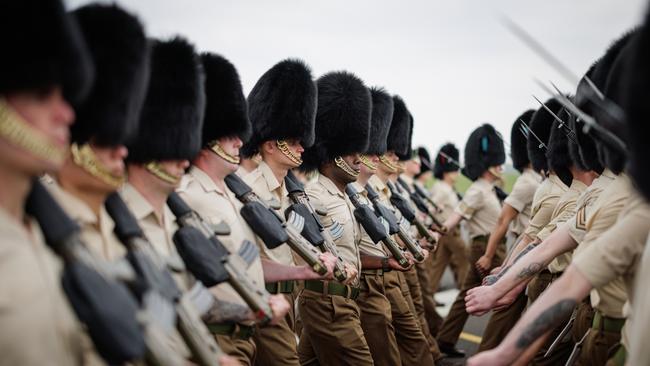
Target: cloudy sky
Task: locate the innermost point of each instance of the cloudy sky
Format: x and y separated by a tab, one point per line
452	61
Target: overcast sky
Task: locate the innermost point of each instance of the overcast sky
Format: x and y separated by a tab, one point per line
452	61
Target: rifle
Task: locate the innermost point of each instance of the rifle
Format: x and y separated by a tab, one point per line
162	299
375	229
102	303
197	254
419	203
400	203
322	239
269	226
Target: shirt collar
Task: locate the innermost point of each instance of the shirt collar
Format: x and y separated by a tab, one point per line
271	182
557	181
329	185
377	184
608	174
407	179
77	209
204	180
577	186
139	205
533	174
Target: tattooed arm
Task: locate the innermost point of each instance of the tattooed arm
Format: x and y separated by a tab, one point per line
483	298
548	311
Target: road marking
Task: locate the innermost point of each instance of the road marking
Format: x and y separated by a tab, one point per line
470	337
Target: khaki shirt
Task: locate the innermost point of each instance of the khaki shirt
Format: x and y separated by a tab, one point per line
37	322
215	205
577	224
446	198
366	245
544	202
564	210
96	232
610	298
615	255
480	207
381	188
638	351
521	199
339	208
266	186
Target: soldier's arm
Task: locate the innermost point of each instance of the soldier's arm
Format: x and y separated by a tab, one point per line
452	221
274	272
508	213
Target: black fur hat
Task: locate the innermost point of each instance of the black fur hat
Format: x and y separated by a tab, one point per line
518	142
172	116
443	164
282	105
409	151
541	124
43	48
120	49
484	149
226	111
342	119
637	109
382	116
399	133
559	160
425	159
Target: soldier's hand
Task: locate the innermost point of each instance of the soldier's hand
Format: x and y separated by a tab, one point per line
483	264
488	358
425	253
510	297
479	300
279	306
351	273
394	264
226	360
329	261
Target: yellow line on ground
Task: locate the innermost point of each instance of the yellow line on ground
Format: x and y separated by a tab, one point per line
470	337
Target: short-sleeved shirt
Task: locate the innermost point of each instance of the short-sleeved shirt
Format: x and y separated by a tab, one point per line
37	322
521	199
577	224
564	210
366	245
610	298
544	202
615	255
480	208
445	197
266	186
639	321
216	205
324	192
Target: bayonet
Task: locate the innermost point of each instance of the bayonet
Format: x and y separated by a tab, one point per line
570	134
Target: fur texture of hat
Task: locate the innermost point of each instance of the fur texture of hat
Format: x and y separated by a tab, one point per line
559	160
518	141
43	48
120	49
382	116
541	124
443	164
282	105
398	135
425	159
484	149
226	110
342	119
172	116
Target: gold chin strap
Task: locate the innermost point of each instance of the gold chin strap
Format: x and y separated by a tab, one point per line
84	157
345	167
217	149
156	169
365	161
496	173
388	164
18	132
284	147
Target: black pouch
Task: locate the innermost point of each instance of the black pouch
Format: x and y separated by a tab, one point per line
264	224
311	229
202	257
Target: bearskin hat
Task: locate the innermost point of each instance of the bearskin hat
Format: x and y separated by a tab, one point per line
172	116
559	160
398	135
443	164
518	142
342	119
484	149
226	111
541	124
282	105
382	116
425	159
409	151
118	44
43	48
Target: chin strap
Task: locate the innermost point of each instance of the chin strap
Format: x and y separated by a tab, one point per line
496	173
345	167
85	158
18	132
365	161
388	164
217	149
157	170
284	148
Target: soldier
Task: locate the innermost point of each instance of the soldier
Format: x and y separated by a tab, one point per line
514	218
49	70
282	108
381	272
226	125
484	154
330	316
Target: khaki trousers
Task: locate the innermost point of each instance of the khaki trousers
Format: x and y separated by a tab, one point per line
501	322
276	344
241	349
413	283
451	251
428	289
377	320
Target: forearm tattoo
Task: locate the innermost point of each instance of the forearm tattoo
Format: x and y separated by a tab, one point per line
223	311
531	270
547	320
